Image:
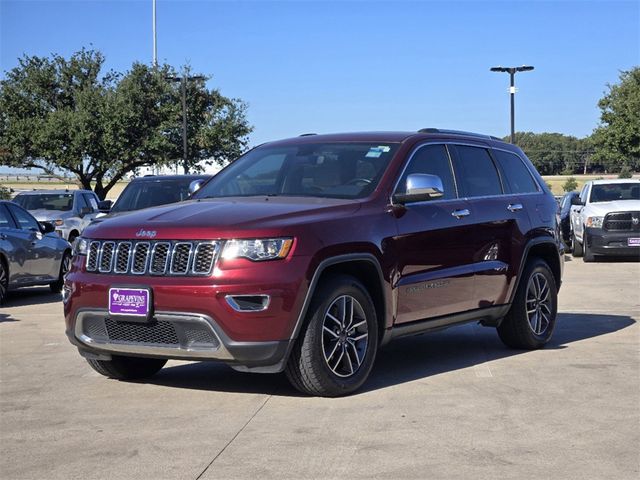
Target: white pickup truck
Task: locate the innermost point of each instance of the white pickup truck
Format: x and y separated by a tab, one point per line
605	219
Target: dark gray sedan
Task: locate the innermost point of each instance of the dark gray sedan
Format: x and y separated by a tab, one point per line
30	252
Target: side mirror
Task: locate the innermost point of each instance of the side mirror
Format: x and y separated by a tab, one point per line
421	187
195	186
84	211
47	227
576	201
105	205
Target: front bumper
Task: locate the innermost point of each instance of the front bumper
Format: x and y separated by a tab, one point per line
601	242
171	335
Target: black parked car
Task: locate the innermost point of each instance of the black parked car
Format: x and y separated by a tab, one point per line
151	191
564	217
30	252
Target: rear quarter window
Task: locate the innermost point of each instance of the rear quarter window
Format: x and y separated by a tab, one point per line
517	175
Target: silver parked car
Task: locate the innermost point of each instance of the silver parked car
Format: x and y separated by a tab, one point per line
70	211
30	252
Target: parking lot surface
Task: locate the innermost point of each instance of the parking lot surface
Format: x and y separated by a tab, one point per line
455	404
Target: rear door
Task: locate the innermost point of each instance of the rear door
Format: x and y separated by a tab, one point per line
499	223
434	246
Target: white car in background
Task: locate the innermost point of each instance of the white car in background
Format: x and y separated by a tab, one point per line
70	211
605	219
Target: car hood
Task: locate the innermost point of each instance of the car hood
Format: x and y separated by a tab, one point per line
221	218
43	215
602	208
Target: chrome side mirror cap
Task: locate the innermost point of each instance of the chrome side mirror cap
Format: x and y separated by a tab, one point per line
195	186
420	187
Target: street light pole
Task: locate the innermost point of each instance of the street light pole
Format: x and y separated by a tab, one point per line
183	94
512	91
155	38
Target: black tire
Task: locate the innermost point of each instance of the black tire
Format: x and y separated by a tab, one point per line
576	245
517	329
72	236
588	256
4	281
309	368
56	287
127	368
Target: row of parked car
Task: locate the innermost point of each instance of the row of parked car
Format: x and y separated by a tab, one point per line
38	228
602	219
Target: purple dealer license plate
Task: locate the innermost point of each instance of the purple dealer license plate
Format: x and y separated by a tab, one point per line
633	242
129	301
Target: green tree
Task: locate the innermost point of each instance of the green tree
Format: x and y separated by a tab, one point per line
617	138
554	153
570	185
62	115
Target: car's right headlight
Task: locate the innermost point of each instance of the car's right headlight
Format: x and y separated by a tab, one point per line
594	222
257	249
80	246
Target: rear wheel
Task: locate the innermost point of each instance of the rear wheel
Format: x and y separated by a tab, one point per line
532	316
577	246
127	368
4	281
56	287
335	352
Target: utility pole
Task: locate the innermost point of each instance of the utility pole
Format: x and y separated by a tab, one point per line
512	91
155	38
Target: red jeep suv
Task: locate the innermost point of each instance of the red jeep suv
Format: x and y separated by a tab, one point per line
306	255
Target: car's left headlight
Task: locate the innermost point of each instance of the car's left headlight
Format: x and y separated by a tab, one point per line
257	249
58	222
594	222
80	246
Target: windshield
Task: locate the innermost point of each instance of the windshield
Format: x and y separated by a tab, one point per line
150	193
326	170
46	201
615	191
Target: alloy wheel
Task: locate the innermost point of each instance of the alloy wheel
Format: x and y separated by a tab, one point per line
538	303
3	282
345	335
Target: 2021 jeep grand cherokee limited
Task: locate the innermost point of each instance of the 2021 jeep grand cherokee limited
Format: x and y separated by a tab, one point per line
306	255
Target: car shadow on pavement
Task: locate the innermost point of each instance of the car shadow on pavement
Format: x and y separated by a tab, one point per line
7	318
32	296
402	361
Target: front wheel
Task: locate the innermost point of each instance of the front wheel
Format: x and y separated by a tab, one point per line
588	256
4	281
127	368
577	246
56	287
532	316
335	352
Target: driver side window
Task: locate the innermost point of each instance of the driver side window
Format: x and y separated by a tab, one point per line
25	221
432	160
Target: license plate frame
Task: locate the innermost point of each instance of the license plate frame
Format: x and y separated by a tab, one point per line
130	303
633	242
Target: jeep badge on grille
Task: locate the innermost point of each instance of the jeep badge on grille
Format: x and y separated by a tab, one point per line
142	233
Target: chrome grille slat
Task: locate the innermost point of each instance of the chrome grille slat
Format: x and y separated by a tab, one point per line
161	257
105	261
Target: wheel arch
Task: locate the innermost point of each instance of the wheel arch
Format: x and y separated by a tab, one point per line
546	250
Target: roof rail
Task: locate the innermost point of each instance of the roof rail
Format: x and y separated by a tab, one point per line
307	134
458	132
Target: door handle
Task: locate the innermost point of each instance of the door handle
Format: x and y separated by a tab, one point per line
460	213
514	207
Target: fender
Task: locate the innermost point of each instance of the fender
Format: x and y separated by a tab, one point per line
525	255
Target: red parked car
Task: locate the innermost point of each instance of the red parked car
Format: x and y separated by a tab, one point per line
306	255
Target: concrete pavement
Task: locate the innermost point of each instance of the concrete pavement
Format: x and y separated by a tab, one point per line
455	404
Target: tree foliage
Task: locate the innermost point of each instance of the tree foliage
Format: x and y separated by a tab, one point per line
617	138
64	115
570	185
554	153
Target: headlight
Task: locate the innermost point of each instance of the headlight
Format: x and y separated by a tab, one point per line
257	249
594	222
80	246
58	222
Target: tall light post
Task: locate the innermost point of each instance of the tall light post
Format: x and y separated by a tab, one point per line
183	87
512	91
155	37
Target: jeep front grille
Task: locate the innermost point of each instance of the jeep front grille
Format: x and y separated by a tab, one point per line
622	222
152	258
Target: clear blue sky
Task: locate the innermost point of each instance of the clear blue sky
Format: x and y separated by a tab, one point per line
326	66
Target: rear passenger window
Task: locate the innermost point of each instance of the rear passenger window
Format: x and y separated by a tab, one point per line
5	220
475	172
433	160
516	174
